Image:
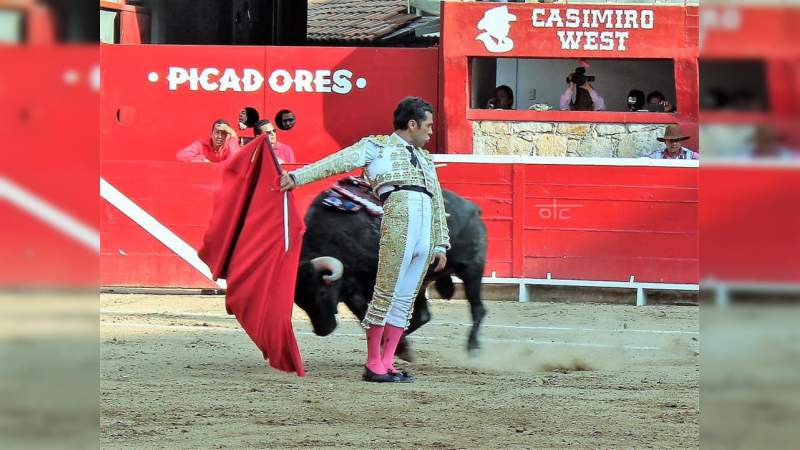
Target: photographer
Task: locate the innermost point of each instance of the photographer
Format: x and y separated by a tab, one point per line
580	95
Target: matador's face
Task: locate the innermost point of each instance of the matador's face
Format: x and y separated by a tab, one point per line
421	132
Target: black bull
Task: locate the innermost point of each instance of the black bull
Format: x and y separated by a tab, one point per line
353	239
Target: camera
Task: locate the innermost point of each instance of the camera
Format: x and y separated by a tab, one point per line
579	77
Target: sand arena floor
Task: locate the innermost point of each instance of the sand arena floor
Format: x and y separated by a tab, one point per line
177	372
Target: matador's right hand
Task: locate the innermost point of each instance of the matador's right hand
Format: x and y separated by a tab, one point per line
287	182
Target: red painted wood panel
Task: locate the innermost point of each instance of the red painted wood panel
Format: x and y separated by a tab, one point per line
614	269
160	270
554	243
327	88
749	223
612	175
611	215
48	108
639	221
748	31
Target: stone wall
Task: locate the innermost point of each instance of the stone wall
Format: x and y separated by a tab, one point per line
565	139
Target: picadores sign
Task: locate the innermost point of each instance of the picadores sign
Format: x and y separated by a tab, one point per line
340	81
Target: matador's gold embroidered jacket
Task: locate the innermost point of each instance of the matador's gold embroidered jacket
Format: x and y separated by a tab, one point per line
388	160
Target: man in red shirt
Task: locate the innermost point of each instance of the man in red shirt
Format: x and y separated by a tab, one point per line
221	145
284	153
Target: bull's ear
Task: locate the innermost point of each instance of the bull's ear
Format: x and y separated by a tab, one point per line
305	274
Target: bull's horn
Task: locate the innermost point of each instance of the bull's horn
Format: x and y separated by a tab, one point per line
331	264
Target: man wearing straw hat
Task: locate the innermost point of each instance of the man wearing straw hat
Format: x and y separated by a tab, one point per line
673	136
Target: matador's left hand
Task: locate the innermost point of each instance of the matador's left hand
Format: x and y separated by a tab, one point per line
440	259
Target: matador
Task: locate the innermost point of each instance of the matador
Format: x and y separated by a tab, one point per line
414	231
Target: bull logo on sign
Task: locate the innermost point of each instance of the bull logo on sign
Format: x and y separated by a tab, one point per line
496	24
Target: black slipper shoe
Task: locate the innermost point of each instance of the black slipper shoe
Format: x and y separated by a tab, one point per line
376	378
402	376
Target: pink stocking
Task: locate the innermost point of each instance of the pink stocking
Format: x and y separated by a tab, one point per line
374	363
391	336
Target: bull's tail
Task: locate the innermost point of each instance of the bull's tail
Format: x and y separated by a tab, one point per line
445	287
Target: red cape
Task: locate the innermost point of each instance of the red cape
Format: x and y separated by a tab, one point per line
244	244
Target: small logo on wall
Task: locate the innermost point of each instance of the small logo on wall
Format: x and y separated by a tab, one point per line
496	24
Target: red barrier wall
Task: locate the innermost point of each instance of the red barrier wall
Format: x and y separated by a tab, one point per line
749	222
156	100
592	222
50	156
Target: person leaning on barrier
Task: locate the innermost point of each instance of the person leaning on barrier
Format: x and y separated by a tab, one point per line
673	136
221	145
283	152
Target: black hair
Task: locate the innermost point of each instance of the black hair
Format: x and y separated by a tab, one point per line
252	116
410	108
639	96
279	119
217	122
258	125
655	94
279	116
508	92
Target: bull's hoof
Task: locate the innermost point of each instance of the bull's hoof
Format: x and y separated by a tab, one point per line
473	348
406	353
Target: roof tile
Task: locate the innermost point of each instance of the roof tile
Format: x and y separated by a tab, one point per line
356	20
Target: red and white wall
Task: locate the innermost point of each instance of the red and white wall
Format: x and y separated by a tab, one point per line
587	221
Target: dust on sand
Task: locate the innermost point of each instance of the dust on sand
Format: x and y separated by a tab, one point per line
177	372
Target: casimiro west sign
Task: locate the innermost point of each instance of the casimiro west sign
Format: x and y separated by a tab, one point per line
593	29
585	29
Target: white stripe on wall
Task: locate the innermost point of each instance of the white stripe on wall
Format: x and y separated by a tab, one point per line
50	214
164	235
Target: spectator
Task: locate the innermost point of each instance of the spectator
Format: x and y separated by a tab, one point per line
766	143
221	145
580	95
714	99
635	100
656	102
674	150
744	100
283	152
285	119
248	117
503	98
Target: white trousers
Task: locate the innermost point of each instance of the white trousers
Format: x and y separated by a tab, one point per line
403	258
